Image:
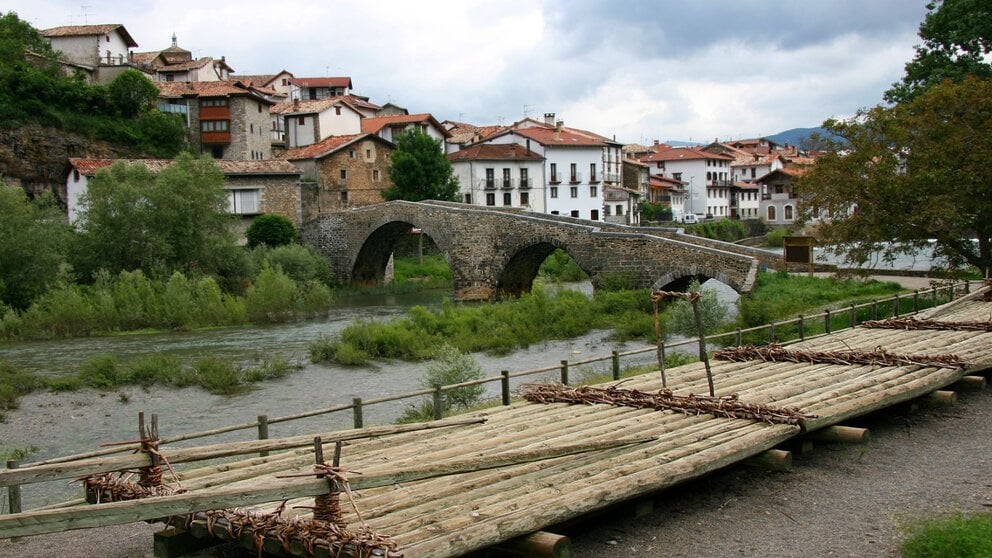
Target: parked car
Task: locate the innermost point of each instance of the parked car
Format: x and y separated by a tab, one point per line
690	219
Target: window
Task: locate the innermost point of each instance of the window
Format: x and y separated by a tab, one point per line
524	199
302	120
606	211
554	173
251	128
619	209
507	198
594	215
771	212
213	102
573	173
593	191
285	81
573	191
337	111
677	175
344	174
375	175
555	212
490	199
344	196
214	125
169	77
351	154
368	153
554	192
787	213
506	179
592	173
524	182
575	213
242	202
490	178
468	199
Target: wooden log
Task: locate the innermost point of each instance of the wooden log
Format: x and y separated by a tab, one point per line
85	467
540	544
845	434
772	460
970	383
116	513
940	398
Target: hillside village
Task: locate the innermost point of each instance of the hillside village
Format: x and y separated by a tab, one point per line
302	145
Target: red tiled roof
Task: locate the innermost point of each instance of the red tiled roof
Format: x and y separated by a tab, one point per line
494	152
183	66
306	107
89	167
374	125
549	135
324	147
790	172
221	88
684	154
322	82
87	30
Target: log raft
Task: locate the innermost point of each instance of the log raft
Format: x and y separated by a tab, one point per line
529	466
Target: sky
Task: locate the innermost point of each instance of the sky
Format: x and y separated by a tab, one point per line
636	70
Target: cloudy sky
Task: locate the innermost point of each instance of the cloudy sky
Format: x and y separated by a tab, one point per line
639	70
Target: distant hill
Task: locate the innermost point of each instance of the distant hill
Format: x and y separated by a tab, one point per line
794	136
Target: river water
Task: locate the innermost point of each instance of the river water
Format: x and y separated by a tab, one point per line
66	423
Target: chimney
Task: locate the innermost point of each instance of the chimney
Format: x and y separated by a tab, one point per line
656	142
296	103
549	118
528	146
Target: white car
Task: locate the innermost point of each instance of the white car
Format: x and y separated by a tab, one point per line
690	219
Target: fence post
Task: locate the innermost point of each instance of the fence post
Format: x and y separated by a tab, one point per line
933	295
740	337
967	286
616	365
771	332
874	309
854	317
826	321
895	306
438	404
263	432
564	372
505	382
357	410
14	494
916	301
802	329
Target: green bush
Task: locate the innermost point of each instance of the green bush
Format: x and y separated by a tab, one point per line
158	368
775	238
454	367
301	263
271	230
218	376
271	298
559	266
15	382
102	372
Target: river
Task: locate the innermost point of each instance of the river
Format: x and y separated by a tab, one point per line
64	423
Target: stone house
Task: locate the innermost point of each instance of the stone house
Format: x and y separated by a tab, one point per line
342	171
779	203
225	119
101	51
500	175
177	64
278	82
308	122
254	187
389	128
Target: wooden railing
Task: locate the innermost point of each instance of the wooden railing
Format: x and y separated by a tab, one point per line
799	328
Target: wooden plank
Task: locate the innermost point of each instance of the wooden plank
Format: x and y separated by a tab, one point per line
94	466
269	490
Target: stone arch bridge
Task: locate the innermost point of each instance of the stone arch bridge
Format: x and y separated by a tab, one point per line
494	252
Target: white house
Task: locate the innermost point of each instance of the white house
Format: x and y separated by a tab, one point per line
278	82
314	88
578	164
500	175
100	50
390	128
307	122
707	175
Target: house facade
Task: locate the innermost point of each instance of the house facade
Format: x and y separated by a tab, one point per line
500	175
779	204
177	64
254	187
315	88
102	51
707	176
226	119
668	192
340	172
390	128
308	122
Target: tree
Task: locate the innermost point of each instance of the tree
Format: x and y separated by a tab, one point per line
913	172
271	230
131	93
957	39
33	245
712	312
420	171
455	367
173	221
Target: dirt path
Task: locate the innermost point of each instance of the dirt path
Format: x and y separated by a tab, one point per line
838	501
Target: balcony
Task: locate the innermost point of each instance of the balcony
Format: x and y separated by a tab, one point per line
525	183
612	177
215	137
507	183
595	177
718	183
554	179
575	178
488	184
613	195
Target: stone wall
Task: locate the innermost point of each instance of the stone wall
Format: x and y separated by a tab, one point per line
362	162
279	195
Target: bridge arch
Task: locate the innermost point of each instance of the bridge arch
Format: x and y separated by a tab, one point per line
371	260
520	269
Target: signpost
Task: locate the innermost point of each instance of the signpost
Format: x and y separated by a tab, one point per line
799	249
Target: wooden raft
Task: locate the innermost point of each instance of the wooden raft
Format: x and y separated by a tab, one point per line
453	515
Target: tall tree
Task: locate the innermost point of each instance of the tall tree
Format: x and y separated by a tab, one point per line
910	173
175	220
957	39
34	241
420	171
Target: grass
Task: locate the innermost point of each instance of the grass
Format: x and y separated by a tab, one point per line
956	536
